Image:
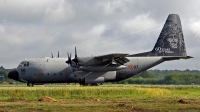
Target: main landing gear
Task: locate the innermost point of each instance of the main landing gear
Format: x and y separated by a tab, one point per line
30	84
93	84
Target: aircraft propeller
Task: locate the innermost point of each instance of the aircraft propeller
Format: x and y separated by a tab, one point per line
76	58
69	61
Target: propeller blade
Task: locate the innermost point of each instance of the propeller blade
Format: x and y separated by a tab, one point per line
76	57
51	55
58	54
75	53
69	61
73	61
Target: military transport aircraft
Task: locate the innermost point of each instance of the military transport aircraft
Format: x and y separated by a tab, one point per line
105	68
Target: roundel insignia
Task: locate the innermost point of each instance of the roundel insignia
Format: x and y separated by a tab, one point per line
131	66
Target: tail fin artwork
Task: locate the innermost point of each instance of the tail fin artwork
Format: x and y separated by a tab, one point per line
170	42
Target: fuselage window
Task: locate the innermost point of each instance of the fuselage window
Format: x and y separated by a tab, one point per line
54	74
48	74
27	63
60	73
23	71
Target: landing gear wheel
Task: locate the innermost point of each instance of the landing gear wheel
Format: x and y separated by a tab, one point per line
83	84
30	84
95	84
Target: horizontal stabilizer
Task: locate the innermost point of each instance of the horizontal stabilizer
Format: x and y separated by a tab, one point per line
168	58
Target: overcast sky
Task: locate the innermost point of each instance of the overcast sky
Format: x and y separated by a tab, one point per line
35	28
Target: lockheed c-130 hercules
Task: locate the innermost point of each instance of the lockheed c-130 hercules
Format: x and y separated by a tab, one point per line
105	68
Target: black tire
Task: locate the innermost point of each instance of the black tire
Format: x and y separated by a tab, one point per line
95	84
30	84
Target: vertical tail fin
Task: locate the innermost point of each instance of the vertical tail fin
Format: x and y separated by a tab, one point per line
170	41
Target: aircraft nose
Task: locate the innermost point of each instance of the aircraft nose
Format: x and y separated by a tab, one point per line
13	75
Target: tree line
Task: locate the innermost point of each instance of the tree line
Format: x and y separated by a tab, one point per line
160	77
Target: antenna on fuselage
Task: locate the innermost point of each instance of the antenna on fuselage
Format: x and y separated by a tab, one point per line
51	55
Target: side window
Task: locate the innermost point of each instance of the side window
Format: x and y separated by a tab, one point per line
27	63
23	71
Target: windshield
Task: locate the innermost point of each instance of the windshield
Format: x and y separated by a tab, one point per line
23	64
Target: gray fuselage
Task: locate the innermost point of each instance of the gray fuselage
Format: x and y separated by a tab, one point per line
56	70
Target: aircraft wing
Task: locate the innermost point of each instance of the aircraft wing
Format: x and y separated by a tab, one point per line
105	63
115	58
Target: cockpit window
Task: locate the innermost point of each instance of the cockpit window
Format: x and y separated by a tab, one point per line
24	64
20	65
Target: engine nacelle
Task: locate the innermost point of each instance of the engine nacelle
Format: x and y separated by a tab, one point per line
89	61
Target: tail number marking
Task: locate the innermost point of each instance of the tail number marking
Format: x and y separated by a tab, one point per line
133	66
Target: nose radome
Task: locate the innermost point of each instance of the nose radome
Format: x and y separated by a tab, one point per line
13	75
